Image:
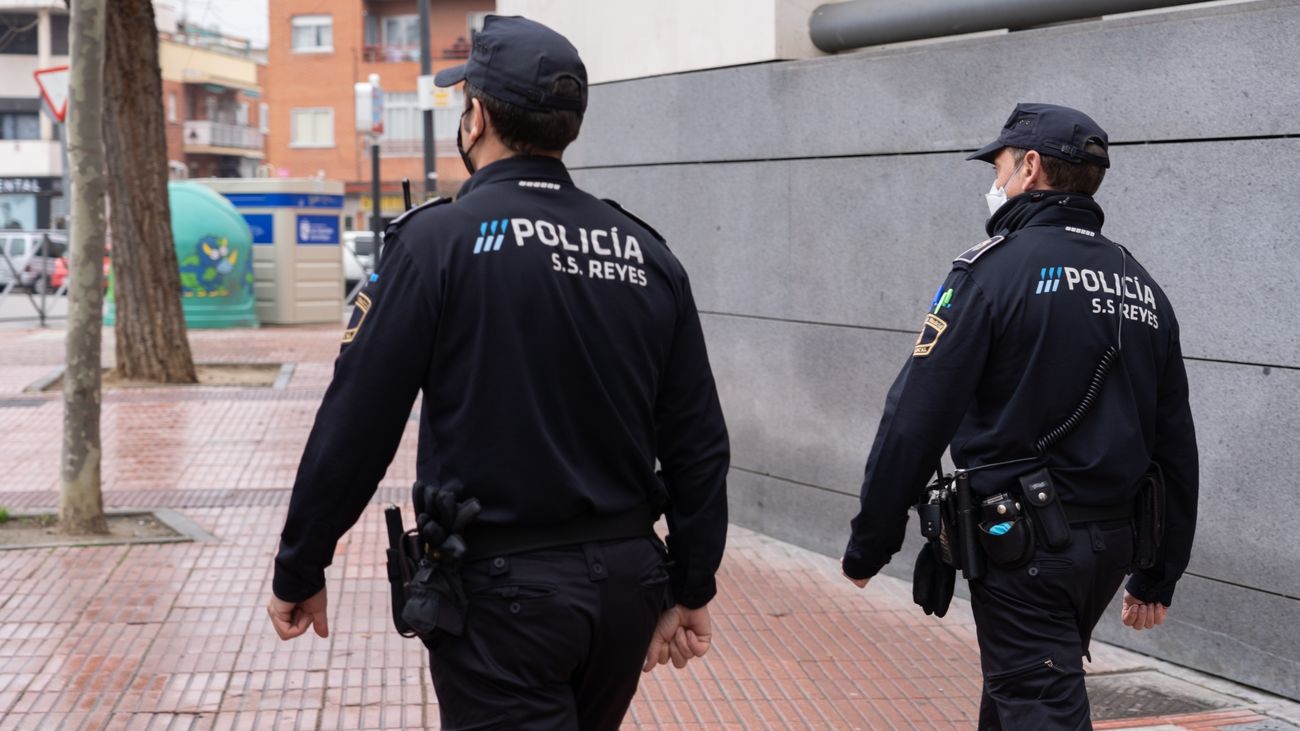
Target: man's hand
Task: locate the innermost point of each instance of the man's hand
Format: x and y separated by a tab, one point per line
682	634
291	620
1142	615
860	583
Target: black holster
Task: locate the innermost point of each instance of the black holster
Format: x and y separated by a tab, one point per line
1046	509
400	567
1149	519
934	575
435	601
424	564
933	581
967	524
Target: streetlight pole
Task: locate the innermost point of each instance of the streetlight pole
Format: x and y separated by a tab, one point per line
426	87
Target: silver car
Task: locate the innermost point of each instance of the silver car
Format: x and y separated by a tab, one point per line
28	258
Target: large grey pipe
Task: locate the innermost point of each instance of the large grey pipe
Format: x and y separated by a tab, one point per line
858	23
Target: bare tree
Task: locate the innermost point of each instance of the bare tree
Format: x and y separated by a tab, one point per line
151	337
81	504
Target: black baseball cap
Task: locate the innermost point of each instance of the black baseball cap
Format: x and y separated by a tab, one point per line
1053	130
518	61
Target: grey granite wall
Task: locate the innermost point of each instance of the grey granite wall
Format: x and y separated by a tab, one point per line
818	203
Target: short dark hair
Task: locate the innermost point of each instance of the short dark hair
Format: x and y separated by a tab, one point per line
527	132
1083	178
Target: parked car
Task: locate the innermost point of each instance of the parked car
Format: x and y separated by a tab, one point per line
48	247
32	256
358	257
15	248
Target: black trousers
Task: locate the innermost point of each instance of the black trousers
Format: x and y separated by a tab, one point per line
554	639
1034	624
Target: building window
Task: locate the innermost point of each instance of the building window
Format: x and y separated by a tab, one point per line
241	114
312	127
402	31
404	122
264	118
20	126
313	34
18	34
58	35
171	107
402	119
392	38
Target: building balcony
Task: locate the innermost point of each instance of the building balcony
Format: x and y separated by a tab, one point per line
415	147
390	54
458	51
217	138
35	158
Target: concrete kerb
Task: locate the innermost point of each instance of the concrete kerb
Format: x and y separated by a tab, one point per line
187	531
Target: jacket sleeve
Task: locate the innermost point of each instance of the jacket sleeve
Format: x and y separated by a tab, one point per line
922	412
1176	453
695	454
380	369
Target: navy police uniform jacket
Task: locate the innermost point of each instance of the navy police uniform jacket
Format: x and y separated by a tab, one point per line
1008	346
559	351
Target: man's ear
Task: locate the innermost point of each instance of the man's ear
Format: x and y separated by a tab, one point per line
1034	175
478	118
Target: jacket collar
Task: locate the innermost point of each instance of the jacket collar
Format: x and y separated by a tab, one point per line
519	167
1046	208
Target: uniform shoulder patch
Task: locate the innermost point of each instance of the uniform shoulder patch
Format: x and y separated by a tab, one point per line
972	254
406	216
658	236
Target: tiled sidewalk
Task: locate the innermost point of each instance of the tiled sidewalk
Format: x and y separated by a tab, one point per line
175	636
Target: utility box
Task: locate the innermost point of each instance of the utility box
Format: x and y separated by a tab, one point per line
297	262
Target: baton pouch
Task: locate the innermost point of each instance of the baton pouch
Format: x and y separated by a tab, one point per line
1006	535
1048	512
1149	518
933	581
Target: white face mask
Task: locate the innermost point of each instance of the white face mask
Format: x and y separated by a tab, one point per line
998	196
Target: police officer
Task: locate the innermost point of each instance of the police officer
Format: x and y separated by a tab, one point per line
557	345
1048	347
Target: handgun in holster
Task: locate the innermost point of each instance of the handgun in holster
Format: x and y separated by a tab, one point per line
934	575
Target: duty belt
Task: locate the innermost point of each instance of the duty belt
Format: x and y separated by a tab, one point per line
1077	514
487	541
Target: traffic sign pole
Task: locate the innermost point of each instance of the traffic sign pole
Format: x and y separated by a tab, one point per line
426	80
53	83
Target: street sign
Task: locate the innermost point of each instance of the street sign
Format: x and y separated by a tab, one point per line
424	91
369	106
53	83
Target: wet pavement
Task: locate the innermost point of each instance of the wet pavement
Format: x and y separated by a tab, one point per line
175	636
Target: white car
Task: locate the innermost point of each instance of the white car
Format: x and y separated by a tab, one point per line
31	255
358	257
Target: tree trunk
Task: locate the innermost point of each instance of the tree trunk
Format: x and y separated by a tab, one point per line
151	340
81	505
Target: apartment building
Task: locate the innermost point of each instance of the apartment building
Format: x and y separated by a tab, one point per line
212	99
33	35
319	49
215	112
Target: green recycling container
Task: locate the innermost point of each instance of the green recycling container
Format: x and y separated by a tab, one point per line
214	248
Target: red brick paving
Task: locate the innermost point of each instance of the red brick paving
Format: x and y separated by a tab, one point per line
175	636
